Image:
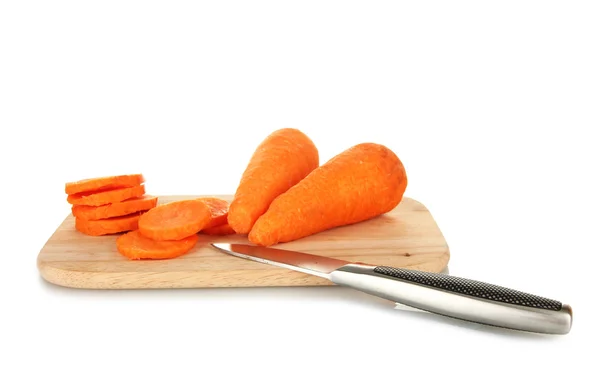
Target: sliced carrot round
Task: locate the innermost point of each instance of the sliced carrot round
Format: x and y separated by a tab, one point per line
134	245
107	226
174	221
224	229
112	210
219	209
105	182
102	197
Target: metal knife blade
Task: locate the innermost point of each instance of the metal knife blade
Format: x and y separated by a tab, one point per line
305	263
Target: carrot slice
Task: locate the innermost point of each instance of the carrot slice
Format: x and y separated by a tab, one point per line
175	221
219	209
360	183
224	229
101	183
280	161
112	210
102	197
134	245
108	226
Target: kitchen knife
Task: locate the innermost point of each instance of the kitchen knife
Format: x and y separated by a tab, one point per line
438	293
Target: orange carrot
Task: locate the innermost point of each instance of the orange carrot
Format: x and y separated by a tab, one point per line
280	161
112	210
134	245
103	183
108	196
175	221
224	229
219	209
358	184
107	226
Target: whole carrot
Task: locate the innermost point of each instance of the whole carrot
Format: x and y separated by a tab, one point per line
360	183
280	161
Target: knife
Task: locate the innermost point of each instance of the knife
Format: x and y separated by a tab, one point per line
437	293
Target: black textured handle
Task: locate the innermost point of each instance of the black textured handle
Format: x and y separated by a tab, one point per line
470	288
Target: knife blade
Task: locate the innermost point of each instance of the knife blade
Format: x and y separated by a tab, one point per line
438	293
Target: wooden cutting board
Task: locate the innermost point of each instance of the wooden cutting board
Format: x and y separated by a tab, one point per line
405	237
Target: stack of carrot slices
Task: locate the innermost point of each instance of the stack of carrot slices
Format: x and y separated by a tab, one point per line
119	205
108	205
171	230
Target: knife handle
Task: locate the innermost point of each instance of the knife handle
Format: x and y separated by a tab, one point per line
459	298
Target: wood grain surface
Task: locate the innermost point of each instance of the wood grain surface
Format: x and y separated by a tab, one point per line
408	236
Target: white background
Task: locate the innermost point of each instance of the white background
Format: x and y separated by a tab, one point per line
492	108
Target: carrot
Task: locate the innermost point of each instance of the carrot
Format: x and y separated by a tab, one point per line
134	245
224	229
112	210
175	221
108	226
108	196
360	183
101	183
219	209
280	161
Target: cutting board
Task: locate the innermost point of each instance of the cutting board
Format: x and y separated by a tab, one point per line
405	237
